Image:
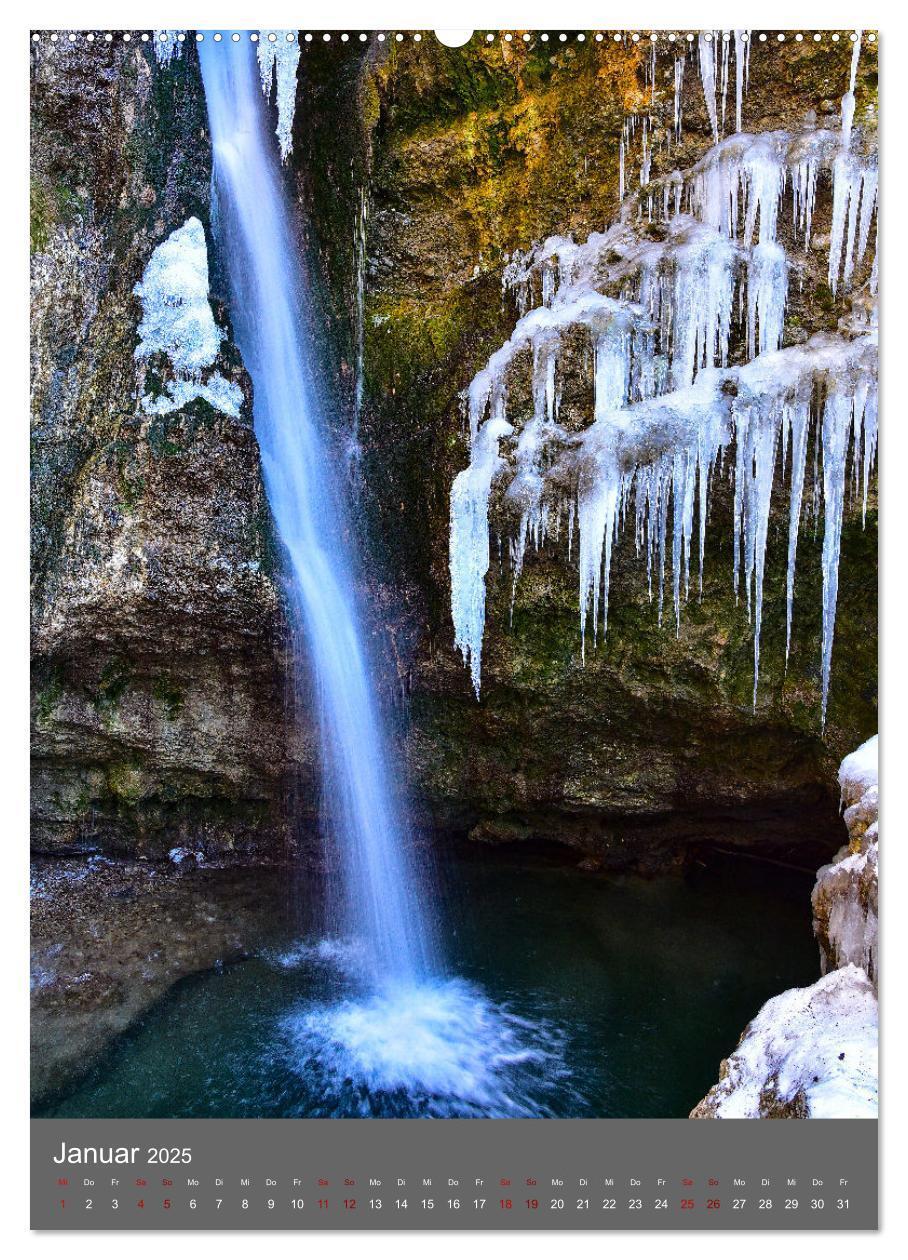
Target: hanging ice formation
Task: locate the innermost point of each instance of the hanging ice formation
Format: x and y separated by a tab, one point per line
659	315
279	58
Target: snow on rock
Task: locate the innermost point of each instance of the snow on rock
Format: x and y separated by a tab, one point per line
279	58
809	1054
177	322
859	772
846	895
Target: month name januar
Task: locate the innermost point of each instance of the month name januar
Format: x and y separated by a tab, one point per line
96	1154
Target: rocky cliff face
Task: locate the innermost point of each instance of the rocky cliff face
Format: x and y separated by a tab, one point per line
812	1053
653	744
157	625
158	633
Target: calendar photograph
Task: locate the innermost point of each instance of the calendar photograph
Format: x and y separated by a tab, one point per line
453	583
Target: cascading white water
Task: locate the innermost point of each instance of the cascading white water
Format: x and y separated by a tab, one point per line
400	1037
380	902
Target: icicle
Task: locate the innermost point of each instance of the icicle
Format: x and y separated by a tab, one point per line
850	185
767	287
726	45
798	417
469	544
836	423
708	80
679	85
848	100
279	56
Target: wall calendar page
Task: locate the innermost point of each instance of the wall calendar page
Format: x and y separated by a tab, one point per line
454	629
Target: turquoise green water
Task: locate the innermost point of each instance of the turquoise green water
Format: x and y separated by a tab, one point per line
570	995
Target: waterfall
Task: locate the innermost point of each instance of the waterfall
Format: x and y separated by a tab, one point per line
396	1036
378	901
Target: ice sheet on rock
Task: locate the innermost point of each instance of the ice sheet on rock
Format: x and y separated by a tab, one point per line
812	1048
177	321
279	60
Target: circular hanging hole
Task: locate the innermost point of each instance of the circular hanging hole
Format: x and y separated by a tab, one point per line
763	38
326	37
363	38
581	38
835	38
254	36
344	37
399	37
817	38
781	38
308	37
417	38
454	39
235	37
598	37
217	37
199	37
526	37
509	37
126	37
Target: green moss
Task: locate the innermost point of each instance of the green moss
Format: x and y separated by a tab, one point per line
112	685
39	217
126	783
169	696
49	694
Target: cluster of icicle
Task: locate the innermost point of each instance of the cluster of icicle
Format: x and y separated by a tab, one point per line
659	316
